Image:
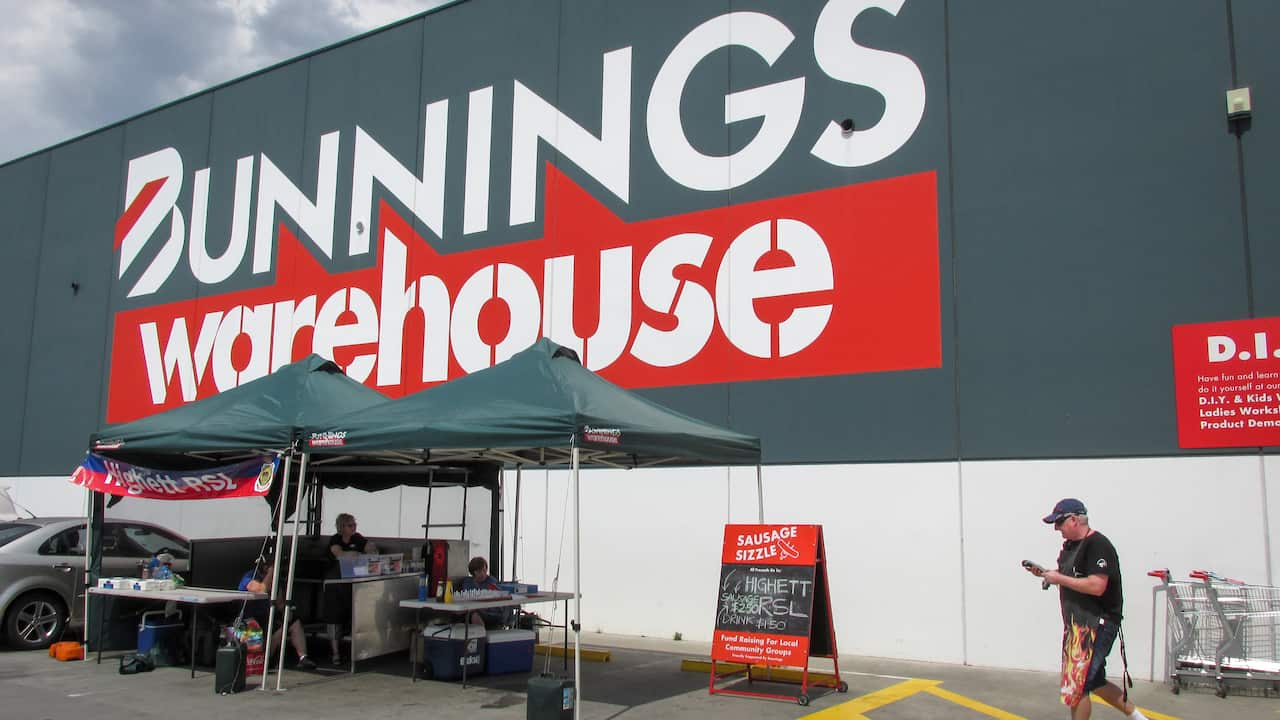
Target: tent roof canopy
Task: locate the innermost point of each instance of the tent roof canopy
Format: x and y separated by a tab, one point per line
263	414
532	408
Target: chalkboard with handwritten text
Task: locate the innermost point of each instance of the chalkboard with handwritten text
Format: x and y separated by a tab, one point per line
765	599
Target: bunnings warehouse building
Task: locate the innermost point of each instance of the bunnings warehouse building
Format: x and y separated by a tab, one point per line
950	262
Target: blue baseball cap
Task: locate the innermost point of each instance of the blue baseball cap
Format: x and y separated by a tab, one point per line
1065	507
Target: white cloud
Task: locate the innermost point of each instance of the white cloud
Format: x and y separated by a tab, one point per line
71	67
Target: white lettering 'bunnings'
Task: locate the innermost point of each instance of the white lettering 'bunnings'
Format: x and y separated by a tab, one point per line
689	302
607	159
163	165
475	209
739	284
894	76
513	287
614	328
314	219
207	269
780	104
423	195
427	295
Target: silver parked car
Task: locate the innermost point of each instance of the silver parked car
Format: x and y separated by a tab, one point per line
42	570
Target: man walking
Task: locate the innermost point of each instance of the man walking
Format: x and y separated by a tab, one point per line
1092	597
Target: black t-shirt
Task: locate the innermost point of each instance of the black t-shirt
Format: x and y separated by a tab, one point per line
355	544
1094	555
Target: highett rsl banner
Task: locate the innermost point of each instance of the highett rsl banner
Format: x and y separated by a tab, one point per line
113	477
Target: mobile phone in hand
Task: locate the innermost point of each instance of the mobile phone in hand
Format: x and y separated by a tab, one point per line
1038	570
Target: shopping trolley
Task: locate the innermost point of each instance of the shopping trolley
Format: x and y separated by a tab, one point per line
1248	650
1189	649
1221	632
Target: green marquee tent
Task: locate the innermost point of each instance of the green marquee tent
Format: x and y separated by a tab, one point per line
540	407
533	408
264	414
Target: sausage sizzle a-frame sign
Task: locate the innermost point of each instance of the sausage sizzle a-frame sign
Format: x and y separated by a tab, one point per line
773	606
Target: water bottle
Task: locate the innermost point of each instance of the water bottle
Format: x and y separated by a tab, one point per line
422	587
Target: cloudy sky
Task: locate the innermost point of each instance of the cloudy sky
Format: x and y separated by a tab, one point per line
72	66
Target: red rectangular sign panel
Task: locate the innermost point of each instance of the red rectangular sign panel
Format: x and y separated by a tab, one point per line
1227	383
766	594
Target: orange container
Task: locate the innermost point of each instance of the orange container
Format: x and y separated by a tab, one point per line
67	651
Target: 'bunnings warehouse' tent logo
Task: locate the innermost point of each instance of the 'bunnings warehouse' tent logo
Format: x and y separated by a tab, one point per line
830	281
604	436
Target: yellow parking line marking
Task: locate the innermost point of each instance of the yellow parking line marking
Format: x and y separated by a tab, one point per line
972	704
855	708
1151	714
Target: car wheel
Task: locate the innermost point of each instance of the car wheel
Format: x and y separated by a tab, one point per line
35	620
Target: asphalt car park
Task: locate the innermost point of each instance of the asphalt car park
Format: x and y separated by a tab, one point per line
642	680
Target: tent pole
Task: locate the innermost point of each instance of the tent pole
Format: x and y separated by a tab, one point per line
88	564
515	530
759	495
577	591
293	563
275	569
93	548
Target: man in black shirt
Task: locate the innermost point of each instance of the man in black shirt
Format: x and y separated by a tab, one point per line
1092	597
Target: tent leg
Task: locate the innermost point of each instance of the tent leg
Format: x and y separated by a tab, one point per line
577	591
93	563
293	565
515	530
759	496
275	569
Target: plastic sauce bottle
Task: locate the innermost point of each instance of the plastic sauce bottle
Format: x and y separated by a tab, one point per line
448	591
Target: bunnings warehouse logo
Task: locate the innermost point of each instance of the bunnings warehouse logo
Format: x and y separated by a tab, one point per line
832	281
332	438
604	436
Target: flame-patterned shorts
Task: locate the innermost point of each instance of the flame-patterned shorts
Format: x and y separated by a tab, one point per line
1085	648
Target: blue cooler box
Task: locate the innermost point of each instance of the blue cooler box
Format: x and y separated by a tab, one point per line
160	637
510	651
445	650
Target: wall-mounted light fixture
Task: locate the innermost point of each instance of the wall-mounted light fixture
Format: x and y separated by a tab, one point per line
75	288
846	127
1239	103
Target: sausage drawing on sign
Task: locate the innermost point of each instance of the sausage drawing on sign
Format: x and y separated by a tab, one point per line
788	550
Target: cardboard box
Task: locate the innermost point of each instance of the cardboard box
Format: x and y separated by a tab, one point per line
392	564
360	566
254	663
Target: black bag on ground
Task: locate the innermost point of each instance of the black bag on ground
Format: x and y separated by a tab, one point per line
228	673
550	698
135	663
